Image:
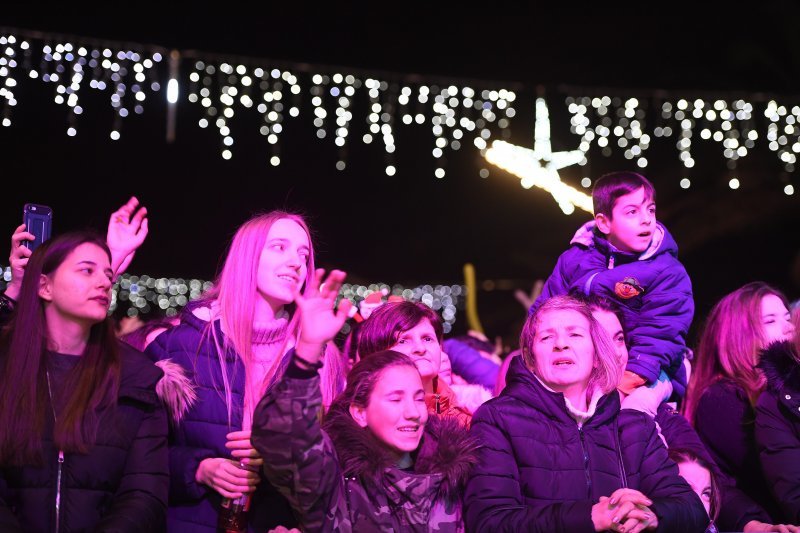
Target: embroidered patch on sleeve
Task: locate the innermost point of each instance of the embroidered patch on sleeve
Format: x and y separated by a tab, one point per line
628	288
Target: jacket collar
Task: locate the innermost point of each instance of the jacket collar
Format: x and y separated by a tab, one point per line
589	236
443	460
523	385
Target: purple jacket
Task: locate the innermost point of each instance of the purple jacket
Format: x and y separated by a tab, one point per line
540	471
652	289
194	507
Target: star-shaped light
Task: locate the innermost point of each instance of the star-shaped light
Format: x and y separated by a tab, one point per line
540	166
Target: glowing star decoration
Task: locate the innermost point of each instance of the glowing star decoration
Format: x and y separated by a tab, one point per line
539	167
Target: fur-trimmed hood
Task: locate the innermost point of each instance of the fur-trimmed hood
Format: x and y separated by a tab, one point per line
446	449
175	390
780	364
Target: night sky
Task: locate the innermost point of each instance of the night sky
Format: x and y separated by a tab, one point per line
412	228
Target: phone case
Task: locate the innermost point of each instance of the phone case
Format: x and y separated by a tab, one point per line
39	220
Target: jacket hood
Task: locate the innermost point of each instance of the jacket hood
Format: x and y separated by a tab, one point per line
780	365
589	236
446	450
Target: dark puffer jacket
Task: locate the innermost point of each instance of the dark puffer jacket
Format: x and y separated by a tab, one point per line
652	289
541	471
736	507
778	427
341	479
120	485
194	507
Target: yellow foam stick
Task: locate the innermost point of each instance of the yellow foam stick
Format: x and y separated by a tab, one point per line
472	298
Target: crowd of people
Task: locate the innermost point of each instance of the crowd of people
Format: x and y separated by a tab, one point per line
248	412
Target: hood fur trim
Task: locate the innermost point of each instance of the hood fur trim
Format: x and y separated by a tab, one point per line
446	448
175	390
780	364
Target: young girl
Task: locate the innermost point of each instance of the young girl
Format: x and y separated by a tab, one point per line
725	382
414	329
379	462
232	344
83	445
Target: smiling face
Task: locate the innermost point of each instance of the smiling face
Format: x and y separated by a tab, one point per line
776	321
632	222
79	290
396	413
422	345
283	263
563	351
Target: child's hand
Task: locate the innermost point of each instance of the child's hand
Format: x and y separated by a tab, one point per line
630	381
647	399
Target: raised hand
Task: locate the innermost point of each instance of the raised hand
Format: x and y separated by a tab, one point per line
319	321
127	230
18	259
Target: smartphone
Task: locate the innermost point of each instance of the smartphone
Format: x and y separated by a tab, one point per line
39	221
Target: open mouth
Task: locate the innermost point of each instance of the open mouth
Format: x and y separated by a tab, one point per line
408	429
563	362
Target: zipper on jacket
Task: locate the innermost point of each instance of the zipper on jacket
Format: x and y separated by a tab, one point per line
58	488
585	463
60	455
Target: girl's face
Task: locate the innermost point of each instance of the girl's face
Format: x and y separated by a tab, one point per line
563	350
283	263
775	319
699	478
396	412
421	344
79	290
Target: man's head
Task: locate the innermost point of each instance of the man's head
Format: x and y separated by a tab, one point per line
625	210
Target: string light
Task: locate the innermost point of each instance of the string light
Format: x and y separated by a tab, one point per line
783	133
728	123
143	294
457	114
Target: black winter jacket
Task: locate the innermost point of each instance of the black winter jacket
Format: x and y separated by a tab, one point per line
120	485
541	471
778	428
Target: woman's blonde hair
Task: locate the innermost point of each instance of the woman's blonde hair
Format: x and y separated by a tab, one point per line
233	297
606	372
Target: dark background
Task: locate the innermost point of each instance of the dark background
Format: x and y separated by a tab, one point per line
413	228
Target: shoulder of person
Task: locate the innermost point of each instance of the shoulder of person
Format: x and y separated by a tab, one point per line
138	373
723	390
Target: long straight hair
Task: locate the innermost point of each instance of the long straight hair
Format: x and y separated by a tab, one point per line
91	386
730	344
233	301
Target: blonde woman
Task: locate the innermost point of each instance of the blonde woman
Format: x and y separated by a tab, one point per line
232	344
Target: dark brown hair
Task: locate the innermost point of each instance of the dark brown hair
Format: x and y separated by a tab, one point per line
383	327
93	384
609	187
